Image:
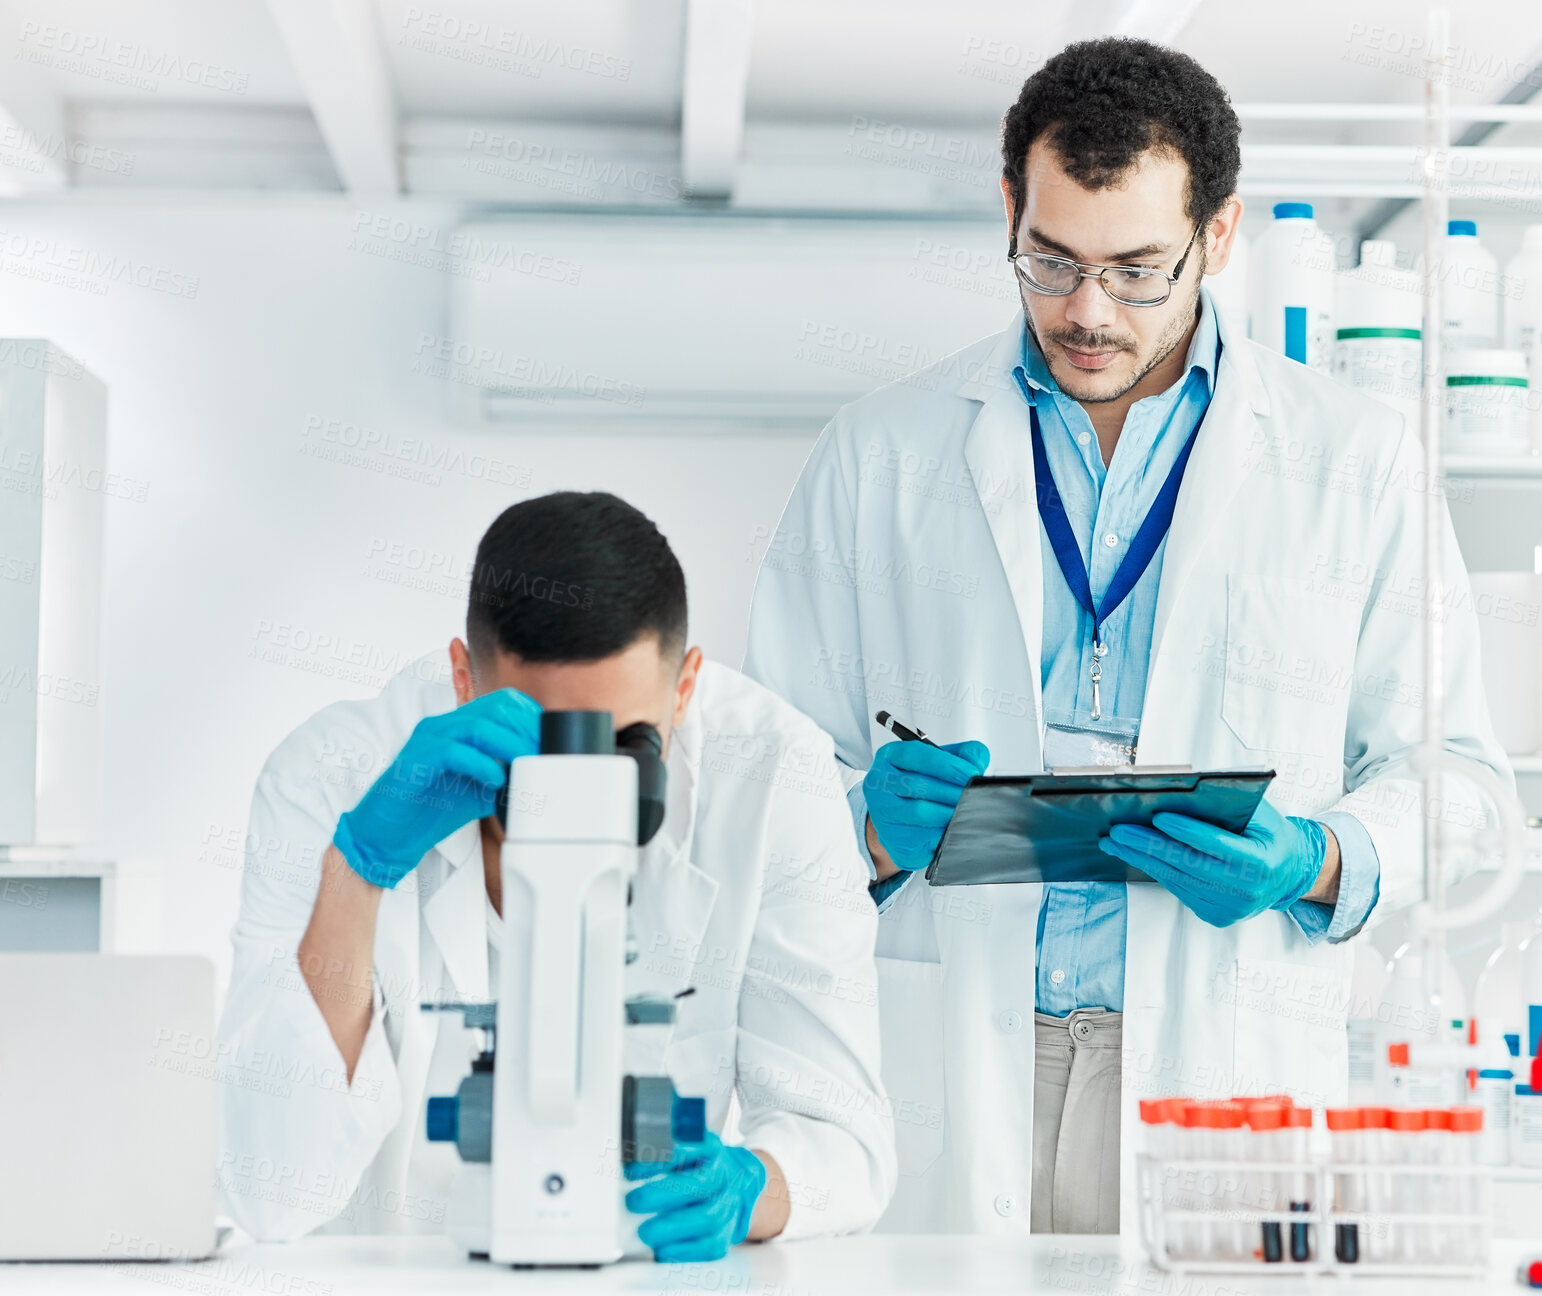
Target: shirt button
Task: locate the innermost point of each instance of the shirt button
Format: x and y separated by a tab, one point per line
1005	1203
1111	540
1057	976
1083	438
1081	1030
1010	1022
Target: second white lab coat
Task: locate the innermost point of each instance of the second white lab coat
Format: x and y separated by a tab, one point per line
906	574
753	895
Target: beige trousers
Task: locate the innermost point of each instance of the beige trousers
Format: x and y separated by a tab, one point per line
1076	1090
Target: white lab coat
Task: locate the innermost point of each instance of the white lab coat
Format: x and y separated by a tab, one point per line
753	892
906	574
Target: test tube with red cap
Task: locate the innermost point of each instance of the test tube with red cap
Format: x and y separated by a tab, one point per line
1233	1237
1466	1124
1215	1131
1156	1122
1378	1182
1344	1132
1160	1123
1242	1236
1299	1124
1270	1143
1405	1125
1196	1137
1439	1190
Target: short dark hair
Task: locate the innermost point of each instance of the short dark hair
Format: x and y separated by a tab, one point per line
574	577
1103	103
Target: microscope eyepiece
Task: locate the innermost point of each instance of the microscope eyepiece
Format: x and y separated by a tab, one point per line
592	733
577	733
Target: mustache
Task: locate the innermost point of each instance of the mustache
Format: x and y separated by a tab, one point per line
1080	341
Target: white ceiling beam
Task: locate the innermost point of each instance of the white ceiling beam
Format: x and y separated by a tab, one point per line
34	144
541	162
337	54
717	67
186	146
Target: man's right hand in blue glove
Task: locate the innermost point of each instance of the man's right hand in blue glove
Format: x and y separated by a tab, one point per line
912	789
447	775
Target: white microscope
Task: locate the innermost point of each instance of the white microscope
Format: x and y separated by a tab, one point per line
546	1120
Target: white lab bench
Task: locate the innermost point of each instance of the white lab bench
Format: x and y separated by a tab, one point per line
856	1266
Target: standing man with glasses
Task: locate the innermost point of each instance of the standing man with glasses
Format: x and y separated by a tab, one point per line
1181	548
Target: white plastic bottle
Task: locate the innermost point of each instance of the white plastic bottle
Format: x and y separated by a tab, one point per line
1493	1091
1523	292
1377	314
1488	402
1290	297
1415	1013
1450	1026
1470	289
1367	991
1497	996
1526	1127
1522	289
1409	1016
1531	996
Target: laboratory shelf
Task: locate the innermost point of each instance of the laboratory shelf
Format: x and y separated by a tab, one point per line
53	864
1524	468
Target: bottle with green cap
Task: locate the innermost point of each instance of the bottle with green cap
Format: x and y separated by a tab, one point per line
1486	402
1378	307
1469	289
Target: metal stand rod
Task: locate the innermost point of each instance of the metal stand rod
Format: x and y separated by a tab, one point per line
1432	918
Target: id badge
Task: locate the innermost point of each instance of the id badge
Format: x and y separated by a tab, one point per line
1071	746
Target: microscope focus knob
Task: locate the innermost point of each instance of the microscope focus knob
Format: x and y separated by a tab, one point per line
688	1120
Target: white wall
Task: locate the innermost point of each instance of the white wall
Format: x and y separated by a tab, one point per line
222	328
244	542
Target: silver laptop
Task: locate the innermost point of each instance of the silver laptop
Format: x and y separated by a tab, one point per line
108	1071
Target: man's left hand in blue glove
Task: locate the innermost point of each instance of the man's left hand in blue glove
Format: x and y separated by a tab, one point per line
704	1202
1225	877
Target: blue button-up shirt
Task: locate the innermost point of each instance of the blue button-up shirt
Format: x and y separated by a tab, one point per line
1081	934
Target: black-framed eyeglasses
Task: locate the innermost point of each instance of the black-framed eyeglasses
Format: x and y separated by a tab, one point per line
1058	276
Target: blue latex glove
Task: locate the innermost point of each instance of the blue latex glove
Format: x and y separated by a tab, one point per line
1222	876
912	789
702	1205
446	775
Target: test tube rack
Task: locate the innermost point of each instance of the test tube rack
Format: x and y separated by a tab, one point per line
1209	1216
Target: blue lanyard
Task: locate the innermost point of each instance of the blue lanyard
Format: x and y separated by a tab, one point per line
1148	539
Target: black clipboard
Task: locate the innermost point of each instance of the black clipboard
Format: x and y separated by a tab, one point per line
1045	827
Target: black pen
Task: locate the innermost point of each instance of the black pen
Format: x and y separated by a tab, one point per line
902	732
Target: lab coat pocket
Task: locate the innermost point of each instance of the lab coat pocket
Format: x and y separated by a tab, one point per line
1291	1028
910	1028
1287	665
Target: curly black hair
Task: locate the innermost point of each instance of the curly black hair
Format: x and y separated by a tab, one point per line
1103	103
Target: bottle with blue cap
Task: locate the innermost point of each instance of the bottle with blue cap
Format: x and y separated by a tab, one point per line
1492	1084
1469	289
1291	287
